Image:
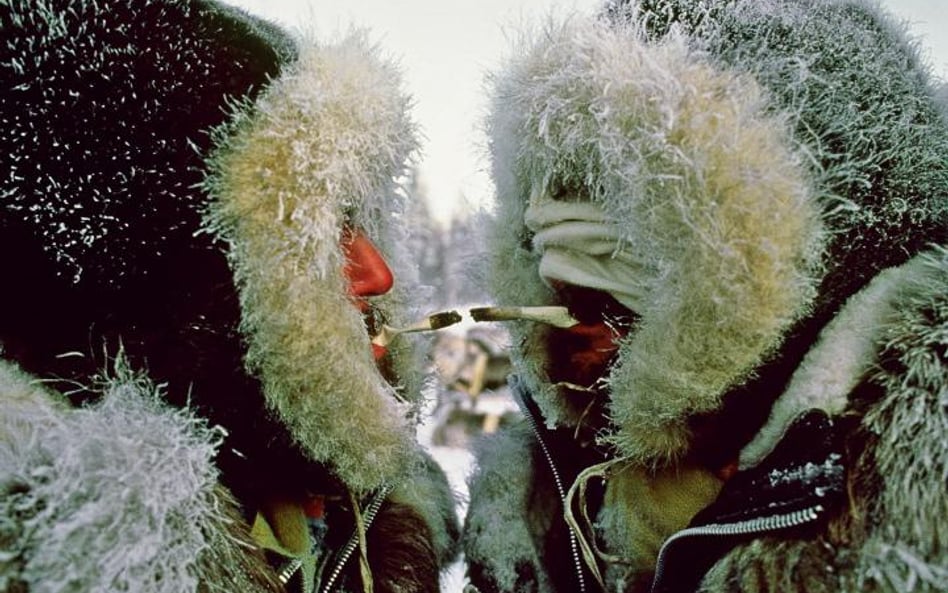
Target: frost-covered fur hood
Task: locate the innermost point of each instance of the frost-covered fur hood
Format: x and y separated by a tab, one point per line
320	148
176	177
764	160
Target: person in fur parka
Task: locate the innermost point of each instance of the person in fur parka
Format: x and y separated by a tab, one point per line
744	207
200	227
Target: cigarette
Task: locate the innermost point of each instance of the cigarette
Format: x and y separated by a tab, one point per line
555	316
433	322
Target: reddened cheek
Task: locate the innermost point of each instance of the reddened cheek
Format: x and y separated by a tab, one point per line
581	354
367	274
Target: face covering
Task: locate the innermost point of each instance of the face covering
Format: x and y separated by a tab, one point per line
578	245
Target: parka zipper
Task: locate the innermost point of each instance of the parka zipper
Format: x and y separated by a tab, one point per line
558	481
758	525
290	568
350	547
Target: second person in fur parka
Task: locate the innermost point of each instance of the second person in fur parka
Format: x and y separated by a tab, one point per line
744	206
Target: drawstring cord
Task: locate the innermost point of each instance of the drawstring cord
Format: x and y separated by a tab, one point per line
590	551
363	522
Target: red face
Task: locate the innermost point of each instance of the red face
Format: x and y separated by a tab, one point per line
579	358
367	273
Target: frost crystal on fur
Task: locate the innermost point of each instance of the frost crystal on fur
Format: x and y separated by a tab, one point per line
84	488
497	536
321	148
177	174
782	168
840	359
704	185
907	548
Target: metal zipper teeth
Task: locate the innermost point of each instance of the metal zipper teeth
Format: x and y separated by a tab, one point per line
558	481
370	512
758	525
288	570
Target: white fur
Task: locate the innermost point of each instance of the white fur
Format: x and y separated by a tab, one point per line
496	532
321	148
702	181
115	497
846	350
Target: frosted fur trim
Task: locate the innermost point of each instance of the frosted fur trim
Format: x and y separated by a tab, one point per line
906	549
897	544
322	146
121	496
430	495
840	359
785	565
496	536
702	181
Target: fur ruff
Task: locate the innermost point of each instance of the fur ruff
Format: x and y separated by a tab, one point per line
702	181
66	526
320	148
906	549
845	352
891	540
401	551
111	255
429	495
848	106
498	539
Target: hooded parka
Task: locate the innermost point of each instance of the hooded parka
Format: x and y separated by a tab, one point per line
190	398
775	176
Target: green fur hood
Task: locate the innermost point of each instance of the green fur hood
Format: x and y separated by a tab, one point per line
761	162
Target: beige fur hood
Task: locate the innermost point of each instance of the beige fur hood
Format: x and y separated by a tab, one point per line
755	198
323	146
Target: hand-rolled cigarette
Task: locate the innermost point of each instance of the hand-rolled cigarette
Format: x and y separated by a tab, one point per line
555	316
433	322
574	387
